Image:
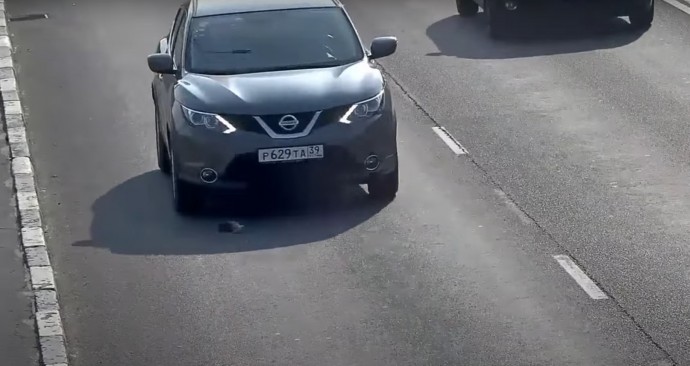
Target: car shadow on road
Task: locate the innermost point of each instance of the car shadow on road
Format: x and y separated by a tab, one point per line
469	38
137	218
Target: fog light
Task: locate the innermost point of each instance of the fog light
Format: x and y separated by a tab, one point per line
372	162
208	175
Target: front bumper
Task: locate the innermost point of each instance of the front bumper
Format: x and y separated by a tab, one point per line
235	156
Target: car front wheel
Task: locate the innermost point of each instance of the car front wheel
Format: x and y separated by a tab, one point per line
466	7
498	18
187	198
161	150
642	15
384	187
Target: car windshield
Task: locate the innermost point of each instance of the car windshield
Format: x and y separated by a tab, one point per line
271	40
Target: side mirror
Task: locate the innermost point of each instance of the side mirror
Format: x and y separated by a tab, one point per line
161	63
382	47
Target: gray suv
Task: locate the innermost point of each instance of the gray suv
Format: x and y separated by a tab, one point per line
252	92
501	13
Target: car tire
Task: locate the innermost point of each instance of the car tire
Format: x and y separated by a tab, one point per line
161	150
467	8
642	14
497	17
187	198
384	187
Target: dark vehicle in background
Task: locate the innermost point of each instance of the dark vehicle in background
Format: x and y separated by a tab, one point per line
248	92
501	14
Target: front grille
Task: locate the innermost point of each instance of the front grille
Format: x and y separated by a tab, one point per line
250	124
273	121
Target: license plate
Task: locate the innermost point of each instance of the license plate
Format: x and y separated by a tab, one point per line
291	153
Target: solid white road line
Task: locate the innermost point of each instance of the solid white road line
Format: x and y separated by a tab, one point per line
679	5
580	277
452	143
48	322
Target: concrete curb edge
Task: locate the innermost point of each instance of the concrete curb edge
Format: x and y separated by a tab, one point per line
48	323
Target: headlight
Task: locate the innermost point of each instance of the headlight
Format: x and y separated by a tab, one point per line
365	109
208	120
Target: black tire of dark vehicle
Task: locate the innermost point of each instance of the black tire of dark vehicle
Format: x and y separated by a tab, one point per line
384	187
498	18
467	8
187	198
162	150
642	14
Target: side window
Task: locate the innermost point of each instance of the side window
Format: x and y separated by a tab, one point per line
179	40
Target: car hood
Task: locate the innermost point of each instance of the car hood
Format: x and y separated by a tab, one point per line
279	92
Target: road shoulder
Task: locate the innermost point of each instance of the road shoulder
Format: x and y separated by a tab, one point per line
26	321
17	335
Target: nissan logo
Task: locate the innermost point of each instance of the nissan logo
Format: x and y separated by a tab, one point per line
288	122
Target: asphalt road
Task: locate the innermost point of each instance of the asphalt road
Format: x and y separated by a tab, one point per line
585	130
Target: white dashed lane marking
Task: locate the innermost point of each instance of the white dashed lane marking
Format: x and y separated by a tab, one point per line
565	261
581	277
449	140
